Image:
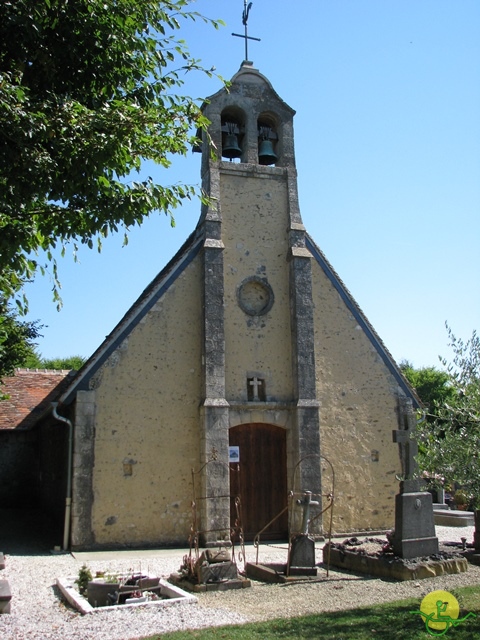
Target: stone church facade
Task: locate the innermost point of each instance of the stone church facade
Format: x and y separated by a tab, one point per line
247	338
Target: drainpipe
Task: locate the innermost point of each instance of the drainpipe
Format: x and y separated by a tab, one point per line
68	498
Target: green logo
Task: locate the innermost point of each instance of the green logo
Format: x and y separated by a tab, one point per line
440	611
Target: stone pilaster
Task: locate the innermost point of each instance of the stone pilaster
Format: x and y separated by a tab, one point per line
82	469
306	424
215	481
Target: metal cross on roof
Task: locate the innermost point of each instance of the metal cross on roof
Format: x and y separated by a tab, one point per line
246	11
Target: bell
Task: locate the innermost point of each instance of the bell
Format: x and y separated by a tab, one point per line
266	154
230	148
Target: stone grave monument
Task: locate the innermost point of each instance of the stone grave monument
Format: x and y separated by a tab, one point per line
414	524
301	557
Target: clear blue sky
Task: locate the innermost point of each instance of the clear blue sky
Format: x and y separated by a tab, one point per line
387	134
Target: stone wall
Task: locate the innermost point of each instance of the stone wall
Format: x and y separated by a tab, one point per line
359	409
255	222
147	424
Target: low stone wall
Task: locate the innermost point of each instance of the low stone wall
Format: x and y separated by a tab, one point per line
447	518
389	566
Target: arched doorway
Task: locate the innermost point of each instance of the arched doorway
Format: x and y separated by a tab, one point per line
261	481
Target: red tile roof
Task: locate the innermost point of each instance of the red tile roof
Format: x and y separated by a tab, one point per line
30	391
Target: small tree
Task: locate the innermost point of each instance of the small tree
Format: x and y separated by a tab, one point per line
36	361
433	386
16	341
89	91
450	444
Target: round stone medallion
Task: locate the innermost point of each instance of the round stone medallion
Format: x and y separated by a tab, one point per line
255	296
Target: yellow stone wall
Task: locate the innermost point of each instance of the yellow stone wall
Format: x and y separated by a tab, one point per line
358	394
148	394
254	213
358	413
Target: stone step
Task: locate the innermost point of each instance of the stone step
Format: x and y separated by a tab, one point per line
5	596
453	518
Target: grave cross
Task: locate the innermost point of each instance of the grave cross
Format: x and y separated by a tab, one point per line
408	450
246	11
306	503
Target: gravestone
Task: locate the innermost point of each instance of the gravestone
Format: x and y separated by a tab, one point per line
302	550
414	534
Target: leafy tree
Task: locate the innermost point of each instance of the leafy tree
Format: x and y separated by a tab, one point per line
89	89
450	445
16	341
433	386
37	362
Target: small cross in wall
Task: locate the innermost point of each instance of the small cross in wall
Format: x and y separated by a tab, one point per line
255	383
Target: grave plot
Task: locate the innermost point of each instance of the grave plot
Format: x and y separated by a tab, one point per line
120	590
214	569
375	557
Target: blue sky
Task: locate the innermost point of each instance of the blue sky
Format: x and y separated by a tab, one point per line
387	137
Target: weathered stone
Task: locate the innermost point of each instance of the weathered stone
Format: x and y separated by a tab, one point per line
217	572
5	596
414	526
212	556
388	566
302	551
102	594
447	518
279	573
195	587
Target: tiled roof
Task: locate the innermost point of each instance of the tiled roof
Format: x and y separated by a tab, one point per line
30	391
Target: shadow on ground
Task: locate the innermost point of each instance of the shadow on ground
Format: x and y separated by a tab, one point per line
27	532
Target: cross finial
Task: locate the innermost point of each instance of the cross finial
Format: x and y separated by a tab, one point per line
408	448
246	11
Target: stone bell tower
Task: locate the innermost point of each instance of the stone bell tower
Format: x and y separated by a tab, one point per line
258	344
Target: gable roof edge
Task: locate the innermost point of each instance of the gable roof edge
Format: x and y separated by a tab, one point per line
134	315
362	320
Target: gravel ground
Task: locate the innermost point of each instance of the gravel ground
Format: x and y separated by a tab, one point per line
38	612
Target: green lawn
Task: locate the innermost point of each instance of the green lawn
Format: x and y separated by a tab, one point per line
391	621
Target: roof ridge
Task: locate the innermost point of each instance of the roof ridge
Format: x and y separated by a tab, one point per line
28	370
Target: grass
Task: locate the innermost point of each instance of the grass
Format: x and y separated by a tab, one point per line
392	621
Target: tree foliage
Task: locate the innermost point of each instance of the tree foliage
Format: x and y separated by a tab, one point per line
450	445
36	361
89	89
432	386
17	341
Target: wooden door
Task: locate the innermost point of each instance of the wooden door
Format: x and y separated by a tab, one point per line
261	479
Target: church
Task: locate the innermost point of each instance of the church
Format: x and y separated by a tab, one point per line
245	367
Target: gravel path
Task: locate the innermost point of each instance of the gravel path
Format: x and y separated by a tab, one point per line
39	613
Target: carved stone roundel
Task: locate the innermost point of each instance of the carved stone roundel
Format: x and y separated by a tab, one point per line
255	296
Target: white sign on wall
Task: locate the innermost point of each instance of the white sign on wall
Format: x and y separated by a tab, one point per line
234	454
